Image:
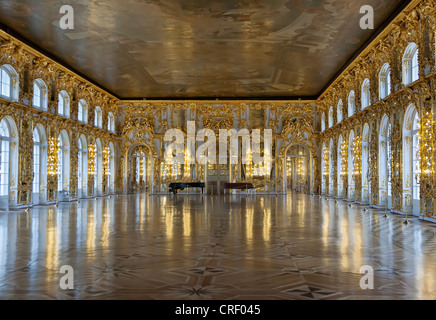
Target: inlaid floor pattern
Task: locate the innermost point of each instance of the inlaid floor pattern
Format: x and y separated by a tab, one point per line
142	247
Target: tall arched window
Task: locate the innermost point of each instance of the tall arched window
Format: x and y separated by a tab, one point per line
385	81
40	99
82	178
416	166
323	122
36	164
389	164
324	169
410	64
39	168
366	97
351	103
411	165
339	111
385	189
365	164
331	169
98	180
331	119
5	137
64	104
83	111
339	168
111	168
8	162
351	166
63	165
8	82
61	160
111	122
98	117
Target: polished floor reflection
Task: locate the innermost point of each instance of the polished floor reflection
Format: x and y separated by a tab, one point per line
203	247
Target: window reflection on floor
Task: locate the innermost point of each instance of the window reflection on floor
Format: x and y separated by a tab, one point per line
259	246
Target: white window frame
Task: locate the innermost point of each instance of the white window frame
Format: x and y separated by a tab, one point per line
5	160
11	92
98	117
41	101
36	161
366	94
64	104
385	81
351	104
323	122
82	115
339	111
111	122
411	64
331	118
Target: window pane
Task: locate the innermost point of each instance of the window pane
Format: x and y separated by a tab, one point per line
80	115
365	95
60	165
382	87
36	167
79	171
5	84
331	118
351	100
415	159
36	96
44	101
415	67
66	108
60	171
388	160
110	122
323	122
4	130
61	105
4	168
388	83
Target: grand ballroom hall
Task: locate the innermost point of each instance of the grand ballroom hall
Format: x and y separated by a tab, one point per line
218	150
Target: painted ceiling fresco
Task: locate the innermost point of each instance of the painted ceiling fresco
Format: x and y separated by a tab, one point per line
185	49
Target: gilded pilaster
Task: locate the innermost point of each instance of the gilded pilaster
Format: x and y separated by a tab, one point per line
397	158
52	165
74	151
91	166
334	174
25	148
374	161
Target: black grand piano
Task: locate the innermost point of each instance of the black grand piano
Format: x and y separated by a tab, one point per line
238	186
173	187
